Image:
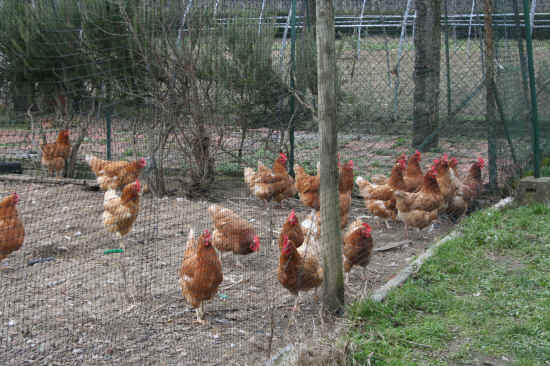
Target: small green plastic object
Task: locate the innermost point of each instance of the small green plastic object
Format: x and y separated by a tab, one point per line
110	251
222	296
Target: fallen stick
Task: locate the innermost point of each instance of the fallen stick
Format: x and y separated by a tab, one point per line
392	245
91	184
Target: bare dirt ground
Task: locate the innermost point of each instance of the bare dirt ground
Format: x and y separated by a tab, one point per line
82	306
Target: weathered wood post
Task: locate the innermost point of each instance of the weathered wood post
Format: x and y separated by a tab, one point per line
331	240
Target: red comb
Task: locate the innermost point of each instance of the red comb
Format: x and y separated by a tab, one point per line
481	162
282	155
350	163
256	244
138	185
367	228
445	158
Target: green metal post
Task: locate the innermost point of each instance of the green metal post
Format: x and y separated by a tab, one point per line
447	62
532	87
108	127
292	85
521	53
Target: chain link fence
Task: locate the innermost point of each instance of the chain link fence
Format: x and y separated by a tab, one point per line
202	90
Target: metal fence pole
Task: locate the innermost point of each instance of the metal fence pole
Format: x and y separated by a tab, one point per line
292	86
108	132
447	62
521	53
533	89
490	96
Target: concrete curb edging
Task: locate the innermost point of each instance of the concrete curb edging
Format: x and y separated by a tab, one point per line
285	354
396	281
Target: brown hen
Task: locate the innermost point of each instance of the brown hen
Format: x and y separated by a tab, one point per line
115	174
12	231
200	273
55	154
233	233
299	269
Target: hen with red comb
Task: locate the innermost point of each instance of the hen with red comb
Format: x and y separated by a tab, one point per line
115	174
233	233
468	190
292	229
379	199
200	273
413	177
419	209
120	212
299	269
358	246
270	184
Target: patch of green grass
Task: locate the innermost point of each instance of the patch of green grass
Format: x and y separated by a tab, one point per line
310	167
401	142
231	169
544	172
385	152
10	144
251	159
128	153
484	295
375	165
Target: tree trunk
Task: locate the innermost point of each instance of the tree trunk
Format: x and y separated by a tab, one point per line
23	94
331	239
427	42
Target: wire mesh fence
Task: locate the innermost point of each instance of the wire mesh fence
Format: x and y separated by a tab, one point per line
201	91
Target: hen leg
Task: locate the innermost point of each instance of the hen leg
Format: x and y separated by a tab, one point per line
387	223
365	283
296	307
124	269
347	284
200	314
122	246
237	261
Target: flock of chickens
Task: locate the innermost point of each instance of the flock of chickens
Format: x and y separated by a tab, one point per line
120	210
407	195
